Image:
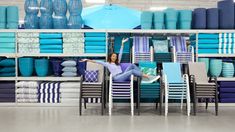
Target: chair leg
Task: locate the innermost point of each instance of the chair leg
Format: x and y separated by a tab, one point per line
80	106
85	103
206	104
216	106
156	105
166	105
195	106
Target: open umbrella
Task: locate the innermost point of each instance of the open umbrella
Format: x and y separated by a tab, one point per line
111	17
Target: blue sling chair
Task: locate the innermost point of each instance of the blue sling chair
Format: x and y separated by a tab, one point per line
121	90
175	86
148	91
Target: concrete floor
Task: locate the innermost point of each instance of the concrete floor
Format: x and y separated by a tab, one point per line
66	119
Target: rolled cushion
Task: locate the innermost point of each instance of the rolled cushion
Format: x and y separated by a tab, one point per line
50	51
7	62
7	45
51	41
7	35
7	50
50	35
95	35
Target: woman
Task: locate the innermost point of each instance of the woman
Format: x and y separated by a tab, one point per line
116	71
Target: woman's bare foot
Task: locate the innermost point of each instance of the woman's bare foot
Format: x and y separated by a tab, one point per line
145	76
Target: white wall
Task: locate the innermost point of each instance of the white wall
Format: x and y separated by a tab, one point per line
137	4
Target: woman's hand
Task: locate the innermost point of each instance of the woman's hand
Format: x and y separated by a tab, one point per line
124	40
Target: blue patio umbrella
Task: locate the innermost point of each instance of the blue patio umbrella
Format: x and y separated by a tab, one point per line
111	17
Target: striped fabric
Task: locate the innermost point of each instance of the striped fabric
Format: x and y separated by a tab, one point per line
177	90
93	100
141	49
49	92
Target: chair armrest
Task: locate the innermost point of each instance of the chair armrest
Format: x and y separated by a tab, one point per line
191	79
185	77
213	79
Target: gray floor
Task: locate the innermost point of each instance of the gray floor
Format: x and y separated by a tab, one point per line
66	119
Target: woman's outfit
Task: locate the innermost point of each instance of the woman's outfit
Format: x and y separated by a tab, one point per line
116	70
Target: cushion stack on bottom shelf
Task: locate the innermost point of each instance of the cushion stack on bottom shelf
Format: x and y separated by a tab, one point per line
49	92
95	43
28	43
207	43
51	43
226	43
7	42
7	91
69	92
7	67
227	92
73	43
27	92
70	68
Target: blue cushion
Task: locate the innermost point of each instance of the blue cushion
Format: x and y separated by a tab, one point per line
69	74
50	51
69	69
95	34
7	40
69	63
7	62
7	50
51	46
161	46
95	47
51	41
50	35
12	74
91	76
95	43
103	39
7	69
7	45
7	35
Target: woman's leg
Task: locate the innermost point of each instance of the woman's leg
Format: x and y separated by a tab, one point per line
132	66
126	75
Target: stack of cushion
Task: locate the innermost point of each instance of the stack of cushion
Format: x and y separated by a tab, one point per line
7	67
207	43
9	17
185	19
73	43
171	18
51	43
227	92
69	92
27	92
70	69
49	92
226	43
95	43
28	43
146	20
7	91
7	42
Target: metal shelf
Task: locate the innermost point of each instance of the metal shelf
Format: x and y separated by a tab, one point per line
48	78
226	79
216	55
62	55
7	78
8	55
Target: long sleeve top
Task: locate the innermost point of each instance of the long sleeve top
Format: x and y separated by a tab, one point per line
112	67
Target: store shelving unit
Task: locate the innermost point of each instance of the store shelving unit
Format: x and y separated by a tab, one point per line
108	32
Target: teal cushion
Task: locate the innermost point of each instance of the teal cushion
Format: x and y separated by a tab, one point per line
7	35
7	74
7	69
7	45
7	62
161	46
149	71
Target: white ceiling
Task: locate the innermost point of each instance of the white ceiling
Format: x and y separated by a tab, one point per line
136	4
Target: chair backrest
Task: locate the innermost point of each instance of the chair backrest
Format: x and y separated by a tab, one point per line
94	66
141	44
124	66
148	64
160	46
198	69
173	72
179	43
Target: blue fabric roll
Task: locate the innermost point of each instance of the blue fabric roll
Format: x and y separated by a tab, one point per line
51	41
95	34
75	7
7	40
12	14
60	22
3	14
31	22
8	50
46	7
60	7
31	7
212	51
199	18
212	18
50	35
7	45
46	22
75	22
95	47
226	14
51	51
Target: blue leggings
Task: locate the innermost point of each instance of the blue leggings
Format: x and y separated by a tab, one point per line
131	70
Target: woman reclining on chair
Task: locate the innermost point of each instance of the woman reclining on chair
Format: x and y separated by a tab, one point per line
116	71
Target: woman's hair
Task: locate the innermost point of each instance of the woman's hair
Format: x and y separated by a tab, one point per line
109	58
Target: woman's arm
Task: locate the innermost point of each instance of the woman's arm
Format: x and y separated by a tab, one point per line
105	64
121	49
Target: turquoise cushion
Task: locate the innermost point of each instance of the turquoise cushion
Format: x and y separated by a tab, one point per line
51	46
7	45
7	50
50	51
7	40
50	35
7	74
7	62
7	35
149	71
95	47
161	46
51	41
95	43
95	39
95	34
7	69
